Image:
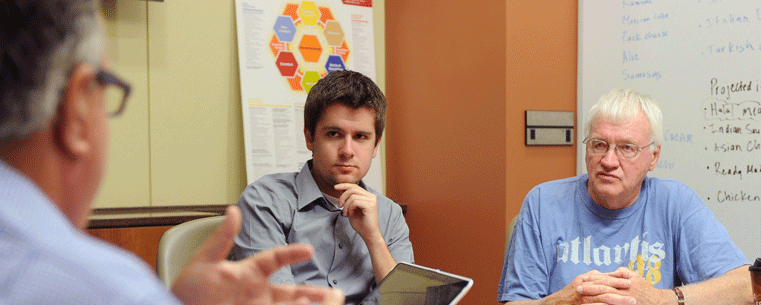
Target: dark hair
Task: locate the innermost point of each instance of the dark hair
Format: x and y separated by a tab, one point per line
348	88
40	43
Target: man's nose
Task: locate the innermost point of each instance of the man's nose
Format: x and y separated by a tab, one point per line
610	158
347	147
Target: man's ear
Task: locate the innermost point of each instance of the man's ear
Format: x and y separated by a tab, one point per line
656	156
74	117
377	145
309	139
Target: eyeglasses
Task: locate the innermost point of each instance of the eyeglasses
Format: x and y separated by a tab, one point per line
116	94
628	151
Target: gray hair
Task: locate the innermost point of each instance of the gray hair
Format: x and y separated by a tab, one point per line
41	44
621	104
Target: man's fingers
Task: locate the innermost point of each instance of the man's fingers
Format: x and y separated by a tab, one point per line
606	280
354	200
350	189
271	260
591	289
218	245
608	299
623	272
322	295
345	186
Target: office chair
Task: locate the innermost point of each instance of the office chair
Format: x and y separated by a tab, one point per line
179	243
510	229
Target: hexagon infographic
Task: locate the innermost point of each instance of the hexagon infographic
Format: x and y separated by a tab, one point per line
307	43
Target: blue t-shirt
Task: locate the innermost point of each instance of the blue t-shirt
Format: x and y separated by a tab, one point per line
668	236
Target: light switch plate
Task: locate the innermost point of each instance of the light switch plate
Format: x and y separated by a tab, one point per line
549	127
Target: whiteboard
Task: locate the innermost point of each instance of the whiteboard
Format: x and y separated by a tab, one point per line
701	61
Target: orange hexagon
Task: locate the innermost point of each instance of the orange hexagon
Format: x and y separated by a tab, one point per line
310	48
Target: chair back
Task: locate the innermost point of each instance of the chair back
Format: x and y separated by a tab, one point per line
510	229
179	243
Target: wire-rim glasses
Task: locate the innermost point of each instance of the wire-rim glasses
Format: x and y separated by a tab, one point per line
623	150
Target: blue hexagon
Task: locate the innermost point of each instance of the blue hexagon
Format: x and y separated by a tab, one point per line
284	28
335	63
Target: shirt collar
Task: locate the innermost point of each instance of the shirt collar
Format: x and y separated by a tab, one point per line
598	210
26	208
309	193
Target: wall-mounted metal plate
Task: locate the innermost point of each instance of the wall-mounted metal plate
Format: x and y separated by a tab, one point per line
549	127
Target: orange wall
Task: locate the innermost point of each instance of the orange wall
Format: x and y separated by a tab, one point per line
541	75
445	154
460	75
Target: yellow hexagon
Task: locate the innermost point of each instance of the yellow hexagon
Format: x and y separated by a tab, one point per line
309	13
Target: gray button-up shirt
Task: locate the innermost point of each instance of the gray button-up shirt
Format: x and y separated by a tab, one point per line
287	208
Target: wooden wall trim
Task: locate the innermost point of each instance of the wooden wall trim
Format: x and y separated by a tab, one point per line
150	216
156	216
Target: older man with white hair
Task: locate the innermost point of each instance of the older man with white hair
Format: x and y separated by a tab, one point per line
616	236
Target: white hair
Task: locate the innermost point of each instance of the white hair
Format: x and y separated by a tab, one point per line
622	104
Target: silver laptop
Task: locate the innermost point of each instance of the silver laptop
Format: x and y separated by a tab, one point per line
414	284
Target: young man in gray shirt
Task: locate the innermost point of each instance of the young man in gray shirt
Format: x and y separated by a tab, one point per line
358	234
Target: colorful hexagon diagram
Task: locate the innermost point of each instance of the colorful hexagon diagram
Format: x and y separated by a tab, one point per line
308	43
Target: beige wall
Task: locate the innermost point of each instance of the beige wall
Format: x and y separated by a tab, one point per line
127	178
180	141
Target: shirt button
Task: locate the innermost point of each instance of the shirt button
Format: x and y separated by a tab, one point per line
340	246
335	282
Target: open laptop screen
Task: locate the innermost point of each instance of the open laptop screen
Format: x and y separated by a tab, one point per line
413	284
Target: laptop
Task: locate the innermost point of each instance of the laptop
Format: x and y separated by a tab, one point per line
418	285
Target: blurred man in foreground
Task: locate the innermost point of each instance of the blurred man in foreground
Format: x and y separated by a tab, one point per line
53	150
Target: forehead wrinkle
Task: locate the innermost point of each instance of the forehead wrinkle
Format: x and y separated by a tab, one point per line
628	138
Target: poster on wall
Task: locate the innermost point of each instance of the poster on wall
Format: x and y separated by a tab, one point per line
284	48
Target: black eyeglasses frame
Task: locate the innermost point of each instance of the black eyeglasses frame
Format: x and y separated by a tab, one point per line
106	78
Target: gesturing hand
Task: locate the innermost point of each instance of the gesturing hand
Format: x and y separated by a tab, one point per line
208	278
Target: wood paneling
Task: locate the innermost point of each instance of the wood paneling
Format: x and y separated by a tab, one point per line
142	241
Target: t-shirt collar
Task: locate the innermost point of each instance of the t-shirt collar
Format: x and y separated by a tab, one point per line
586	199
